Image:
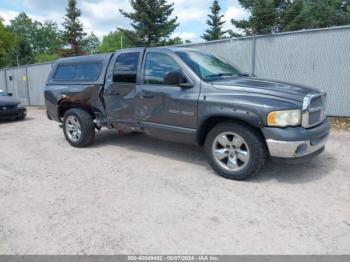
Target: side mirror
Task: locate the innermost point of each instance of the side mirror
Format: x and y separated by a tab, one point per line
10	94
177	78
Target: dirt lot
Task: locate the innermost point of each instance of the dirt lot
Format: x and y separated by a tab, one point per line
134	194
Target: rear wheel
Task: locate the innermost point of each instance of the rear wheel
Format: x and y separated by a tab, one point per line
235	151
78	127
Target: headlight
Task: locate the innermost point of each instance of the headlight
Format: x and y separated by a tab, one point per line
284	118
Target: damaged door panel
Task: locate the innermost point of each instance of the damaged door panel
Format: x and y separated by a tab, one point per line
121	89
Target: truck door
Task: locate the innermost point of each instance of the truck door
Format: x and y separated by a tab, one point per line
166	108
120	87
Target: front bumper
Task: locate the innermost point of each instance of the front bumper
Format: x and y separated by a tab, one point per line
10	113
296	142
283	149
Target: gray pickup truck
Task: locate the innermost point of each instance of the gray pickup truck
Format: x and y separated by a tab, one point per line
186	95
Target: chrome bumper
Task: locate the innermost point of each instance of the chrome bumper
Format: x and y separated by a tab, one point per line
294	149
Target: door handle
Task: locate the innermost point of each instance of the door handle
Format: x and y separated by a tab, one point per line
147	95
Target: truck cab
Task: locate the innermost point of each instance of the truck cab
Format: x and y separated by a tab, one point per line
188	96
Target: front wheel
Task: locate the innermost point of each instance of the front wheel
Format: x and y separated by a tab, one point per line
235	151
78	127
22	115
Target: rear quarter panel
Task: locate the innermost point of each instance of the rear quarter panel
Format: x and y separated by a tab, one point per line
85	94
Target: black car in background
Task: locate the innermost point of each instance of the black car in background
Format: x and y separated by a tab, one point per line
10	107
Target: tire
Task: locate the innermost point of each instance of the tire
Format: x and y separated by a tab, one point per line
21	116
78	127
228	158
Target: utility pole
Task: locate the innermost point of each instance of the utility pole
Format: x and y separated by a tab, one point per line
121	41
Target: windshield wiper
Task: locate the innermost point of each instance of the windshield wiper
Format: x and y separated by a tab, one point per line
218	75
243	74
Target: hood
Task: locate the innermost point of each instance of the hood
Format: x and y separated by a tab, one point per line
266	86
9	100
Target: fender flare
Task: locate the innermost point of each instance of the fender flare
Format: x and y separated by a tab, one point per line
242	116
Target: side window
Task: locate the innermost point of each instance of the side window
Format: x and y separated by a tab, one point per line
78	72
157	66
125	69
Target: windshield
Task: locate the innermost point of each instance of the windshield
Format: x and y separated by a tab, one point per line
207	66
2	93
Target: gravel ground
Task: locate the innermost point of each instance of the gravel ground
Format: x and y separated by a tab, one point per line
135	194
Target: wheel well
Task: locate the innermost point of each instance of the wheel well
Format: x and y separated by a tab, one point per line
65	106
208	124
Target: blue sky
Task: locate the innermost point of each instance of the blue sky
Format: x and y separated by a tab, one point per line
102	16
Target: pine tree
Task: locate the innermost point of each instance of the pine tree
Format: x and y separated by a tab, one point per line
263	18
310	14
74	32
151	21
273	16
215	23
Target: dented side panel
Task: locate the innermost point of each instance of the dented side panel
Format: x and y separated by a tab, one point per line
62	95
58	97
120	98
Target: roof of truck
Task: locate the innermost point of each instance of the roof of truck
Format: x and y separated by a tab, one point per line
170	48
107	56
99	57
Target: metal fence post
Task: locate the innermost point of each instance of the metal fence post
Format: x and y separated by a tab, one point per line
27	81
6	88
253	54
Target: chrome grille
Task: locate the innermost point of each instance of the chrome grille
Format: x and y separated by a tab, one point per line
7	107
315	102
314	110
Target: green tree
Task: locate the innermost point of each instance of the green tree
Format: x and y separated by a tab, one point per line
47	38
90	43
45	57
215	23
151	22
22	27
22	53
272	16
6	44
263	18
302	14
175	41
74	33
33	39
113	41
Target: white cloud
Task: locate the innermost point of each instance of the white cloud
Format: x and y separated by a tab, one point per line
7	15
103	16
236	12
105	10
10	15
191	10
190	14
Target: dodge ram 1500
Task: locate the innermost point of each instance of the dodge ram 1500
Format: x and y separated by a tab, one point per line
189	96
